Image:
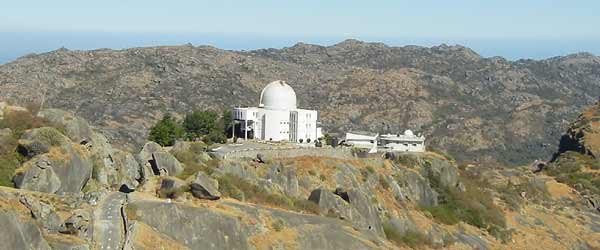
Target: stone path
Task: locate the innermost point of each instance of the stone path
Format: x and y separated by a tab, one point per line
109	233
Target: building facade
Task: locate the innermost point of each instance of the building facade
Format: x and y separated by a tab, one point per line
406	142
277	117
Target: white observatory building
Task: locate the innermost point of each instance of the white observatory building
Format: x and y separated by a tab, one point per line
277	118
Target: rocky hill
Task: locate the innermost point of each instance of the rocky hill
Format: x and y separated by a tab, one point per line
73	190
473	107
576	163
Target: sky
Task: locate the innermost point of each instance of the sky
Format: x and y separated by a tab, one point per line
510	28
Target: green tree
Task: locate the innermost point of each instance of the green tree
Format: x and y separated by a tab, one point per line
200	123
166	131
226	122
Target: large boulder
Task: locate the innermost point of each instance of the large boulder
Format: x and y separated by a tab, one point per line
204	187
76	128
20	233
78	224
349	205
285	177
42	212
157	161
53	157
413	187
127	168
37	174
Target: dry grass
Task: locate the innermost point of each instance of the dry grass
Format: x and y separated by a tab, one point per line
267	241
145	238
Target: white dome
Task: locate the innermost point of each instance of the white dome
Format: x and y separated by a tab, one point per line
278	95
408	132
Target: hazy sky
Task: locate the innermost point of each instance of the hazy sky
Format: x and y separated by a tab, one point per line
545	28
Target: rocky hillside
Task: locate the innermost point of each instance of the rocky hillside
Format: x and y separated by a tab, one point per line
475	108
576	163
73	190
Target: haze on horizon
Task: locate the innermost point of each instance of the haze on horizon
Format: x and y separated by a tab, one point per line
510	28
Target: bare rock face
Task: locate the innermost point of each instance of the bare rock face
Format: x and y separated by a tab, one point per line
207	228
20	234
58	165
38	175
285	177
157	161
415	188
79	224
76	128
42	212
351	206
204	187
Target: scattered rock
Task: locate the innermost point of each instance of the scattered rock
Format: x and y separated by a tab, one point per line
204	187
78	224
157	161
42	212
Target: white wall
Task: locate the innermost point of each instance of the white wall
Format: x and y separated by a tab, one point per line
407	146
276	125
307	125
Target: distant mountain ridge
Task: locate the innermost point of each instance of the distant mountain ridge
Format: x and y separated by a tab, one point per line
476	108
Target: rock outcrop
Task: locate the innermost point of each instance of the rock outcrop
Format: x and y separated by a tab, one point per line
157	161
204	187
57	165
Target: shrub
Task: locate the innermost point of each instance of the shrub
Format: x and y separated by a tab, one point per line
200	123
166	131
474	206
215	136
193	162
410	238
19	121
241	189
278	225
567	169
8	164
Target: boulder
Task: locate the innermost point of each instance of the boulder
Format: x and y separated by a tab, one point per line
40	140
262	158
54	157
126	169
331	205
285	177
415	188
204	187
42	212
20	233
37	174
78	224
76	128
357	209
441	170
157	161
171	187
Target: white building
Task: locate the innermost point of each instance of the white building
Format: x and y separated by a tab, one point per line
361	139
277	118
407	142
